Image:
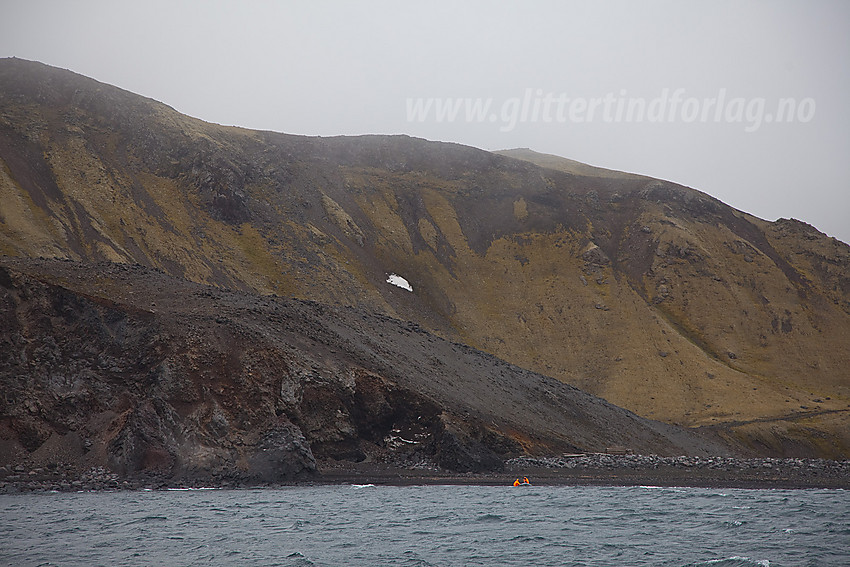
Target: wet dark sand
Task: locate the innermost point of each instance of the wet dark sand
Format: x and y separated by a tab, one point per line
730	473
584	470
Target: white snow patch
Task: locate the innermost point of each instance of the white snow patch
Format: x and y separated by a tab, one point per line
399	281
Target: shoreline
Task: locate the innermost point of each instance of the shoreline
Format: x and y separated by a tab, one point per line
571	470
605	470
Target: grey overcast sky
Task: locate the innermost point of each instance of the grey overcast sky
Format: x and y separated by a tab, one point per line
745	100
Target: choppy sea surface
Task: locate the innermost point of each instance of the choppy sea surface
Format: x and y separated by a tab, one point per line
429	525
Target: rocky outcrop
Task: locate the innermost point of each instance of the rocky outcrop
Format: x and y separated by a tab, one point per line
150	376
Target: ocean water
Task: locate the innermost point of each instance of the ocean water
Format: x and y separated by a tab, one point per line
429	525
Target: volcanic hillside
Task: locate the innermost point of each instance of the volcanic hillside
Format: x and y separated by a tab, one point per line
656	297
122	366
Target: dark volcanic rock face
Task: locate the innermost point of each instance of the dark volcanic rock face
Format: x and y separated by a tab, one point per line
126	368
143	393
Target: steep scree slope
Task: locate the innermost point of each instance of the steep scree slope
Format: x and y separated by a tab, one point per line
126	367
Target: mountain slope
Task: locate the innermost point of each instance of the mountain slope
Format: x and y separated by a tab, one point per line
121	366
654	296
566	165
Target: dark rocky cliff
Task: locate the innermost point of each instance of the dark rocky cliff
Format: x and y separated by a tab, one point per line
120	366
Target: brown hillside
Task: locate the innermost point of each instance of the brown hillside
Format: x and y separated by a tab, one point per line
122	366
654	296
567	165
